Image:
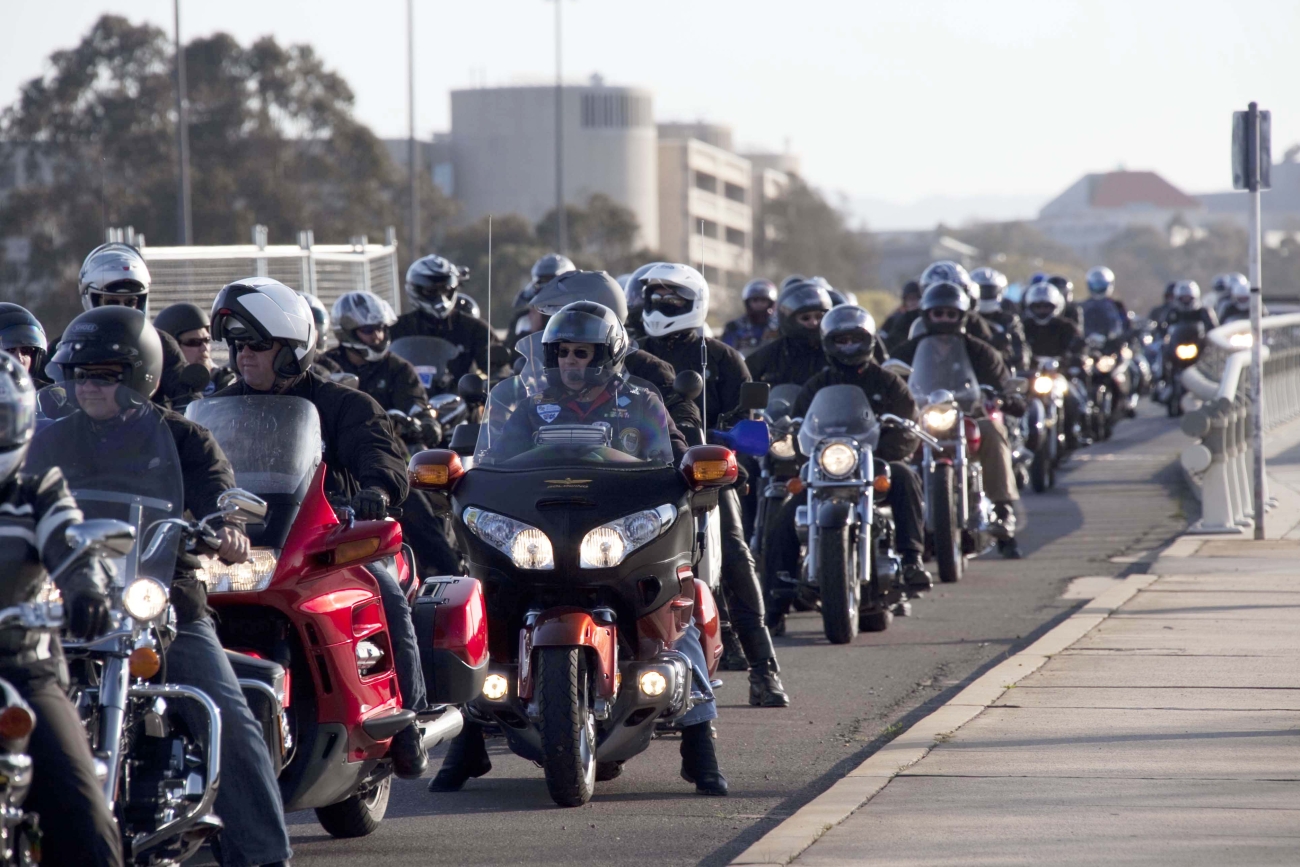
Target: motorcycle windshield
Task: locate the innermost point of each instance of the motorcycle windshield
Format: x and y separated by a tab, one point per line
539	422
431	357
1102	318
272	441
838	411
781	399
118	463
942	363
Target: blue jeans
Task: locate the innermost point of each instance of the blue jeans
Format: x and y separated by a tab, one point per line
248	797
401	632
705	708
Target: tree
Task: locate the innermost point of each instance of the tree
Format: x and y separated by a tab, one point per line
812	237
1019	250
602	235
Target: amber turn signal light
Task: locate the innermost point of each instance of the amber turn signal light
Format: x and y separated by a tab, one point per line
16	722
430	474
881	484
794	486
709	471
144	662
355	550
434	469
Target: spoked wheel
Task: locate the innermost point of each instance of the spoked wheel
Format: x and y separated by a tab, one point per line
947	533
837	558
568	729
358	815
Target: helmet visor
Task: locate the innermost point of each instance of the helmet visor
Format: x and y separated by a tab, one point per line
434	286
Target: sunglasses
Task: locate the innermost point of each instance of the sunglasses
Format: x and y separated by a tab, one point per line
370	330
580	354
29	352
239	345
810	319
100	377
195	342
945	314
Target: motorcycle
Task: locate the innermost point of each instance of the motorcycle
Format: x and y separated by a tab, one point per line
157	746
1045	422
849	560
778	469
1183	342
316	661
431	357
584	612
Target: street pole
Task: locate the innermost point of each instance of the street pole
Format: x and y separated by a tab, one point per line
184	219
562	240
412	162
1256	332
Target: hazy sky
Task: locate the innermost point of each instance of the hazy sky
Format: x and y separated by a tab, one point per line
974	104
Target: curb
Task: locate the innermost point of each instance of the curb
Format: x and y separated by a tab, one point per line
789	839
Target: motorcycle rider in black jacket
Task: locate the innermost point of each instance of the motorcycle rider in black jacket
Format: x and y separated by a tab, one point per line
797	355
35	513
273	342
431	289
896	326
192	328
23	337
1009	332
677	303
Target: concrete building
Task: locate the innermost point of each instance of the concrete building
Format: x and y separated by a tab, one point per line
1098	207
705	185
503	150
769	179
434	155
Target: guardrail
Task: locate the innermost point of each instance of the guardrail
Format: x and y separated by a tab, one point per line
1219	463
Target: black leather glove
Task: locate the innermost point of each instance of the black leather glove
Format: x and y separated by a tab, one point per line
89	614
1014	404
370	504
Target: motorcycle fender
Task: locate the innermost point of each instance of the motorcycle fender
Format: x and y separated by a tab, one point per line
569	627
832	514
709	625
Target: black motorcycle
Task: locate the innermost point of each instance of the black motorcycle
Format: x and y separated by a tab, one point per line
1183	343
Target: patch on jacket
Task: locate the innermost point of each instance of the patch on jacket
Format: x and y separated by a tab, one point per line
548	411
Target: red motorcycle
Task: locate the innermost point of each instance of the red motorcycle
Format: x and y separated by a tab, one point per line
314	655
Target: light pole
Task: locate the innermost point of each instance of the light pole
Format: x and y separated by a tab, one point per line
562	231
412	164
184	220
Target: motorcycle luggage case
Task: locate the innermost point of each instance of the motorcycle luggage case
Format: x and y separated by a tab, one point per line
450	620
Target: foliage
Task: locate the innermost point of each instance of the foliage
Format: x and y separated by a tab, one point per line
1018	250
812	237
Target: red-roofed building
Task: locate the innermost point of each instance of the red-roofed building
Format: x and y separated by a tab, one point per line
1097	207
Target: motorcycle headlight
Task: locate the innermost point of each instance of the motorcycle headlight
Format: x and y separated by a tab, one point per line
525	545
250	576
145	599
783	448
609	544
939	419
1106	364
838	460
1186	351
1043	384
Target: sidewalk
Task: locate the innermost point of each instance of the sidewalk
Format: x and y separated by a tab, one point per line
1158	725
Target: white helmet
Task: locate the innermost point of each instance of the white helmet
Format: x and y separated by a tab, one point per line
1101	282
114	269
1239	291
676	299
1188	294
260	308
359	309
1042	294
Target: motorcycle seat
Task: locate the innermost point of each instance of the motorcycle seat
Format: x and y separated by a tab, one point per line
261	670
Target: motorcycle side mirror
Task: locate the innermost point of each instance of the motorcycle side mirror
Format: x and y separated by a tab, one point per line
472	388
102	536
898	368
754	395
689	384
709	467
1018	385
434	469
242	504
746	437
196	377
350	380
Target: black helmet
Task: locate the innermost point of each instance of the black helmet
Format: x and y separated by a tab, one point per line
176	319
944	271
759	288
113	335
800	298
431	285
586	322
792	280
17	415
549	267
635	290
945	295
911	289
573	286
260	308
844	321
19	329
321	317
1065	285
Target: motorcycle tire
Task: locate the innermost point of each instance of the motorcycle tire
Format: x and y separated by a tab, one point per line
359	815
568	729
840	590
1040	472
1175	405
947	533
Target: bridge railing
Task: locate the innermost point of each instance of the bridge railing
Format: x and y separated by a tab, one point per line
1218	464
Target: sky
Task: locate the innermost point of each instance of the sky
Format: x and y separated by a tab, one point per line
907	113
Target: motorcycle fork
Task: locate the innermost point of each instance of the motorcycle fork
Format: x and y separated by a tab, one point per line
810	558
113	696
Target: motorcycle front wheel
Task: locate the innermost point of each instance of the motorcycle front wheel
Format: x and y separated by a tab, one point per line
568	729
358	815
947	533
1040	471
837	557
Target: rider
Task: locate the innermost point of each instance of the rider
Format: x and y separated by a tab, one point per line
896	325
1006	323
758	325
584	345
35	513
846	336
1160	313
945	306
1187	306
23	337
192	328
1101	287
1051	335
110	361
677	304
544	271
361	323
634	289
947	271
1071	311
321	316
431	287
272	338
1237	304
797	354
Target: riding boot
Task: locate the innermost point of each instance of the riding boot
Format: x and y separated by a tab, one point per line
733	657
915	577
765	688
467	757
700	761
410	761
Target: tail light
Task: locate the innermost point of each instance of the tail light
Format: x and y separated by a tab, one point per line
462	629
972	434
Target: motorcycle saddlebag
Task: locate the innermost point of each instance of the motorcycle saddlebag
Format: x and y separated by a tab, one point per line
450	620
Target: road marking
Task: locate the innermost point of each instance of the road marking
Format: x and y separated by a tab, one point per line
789	839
